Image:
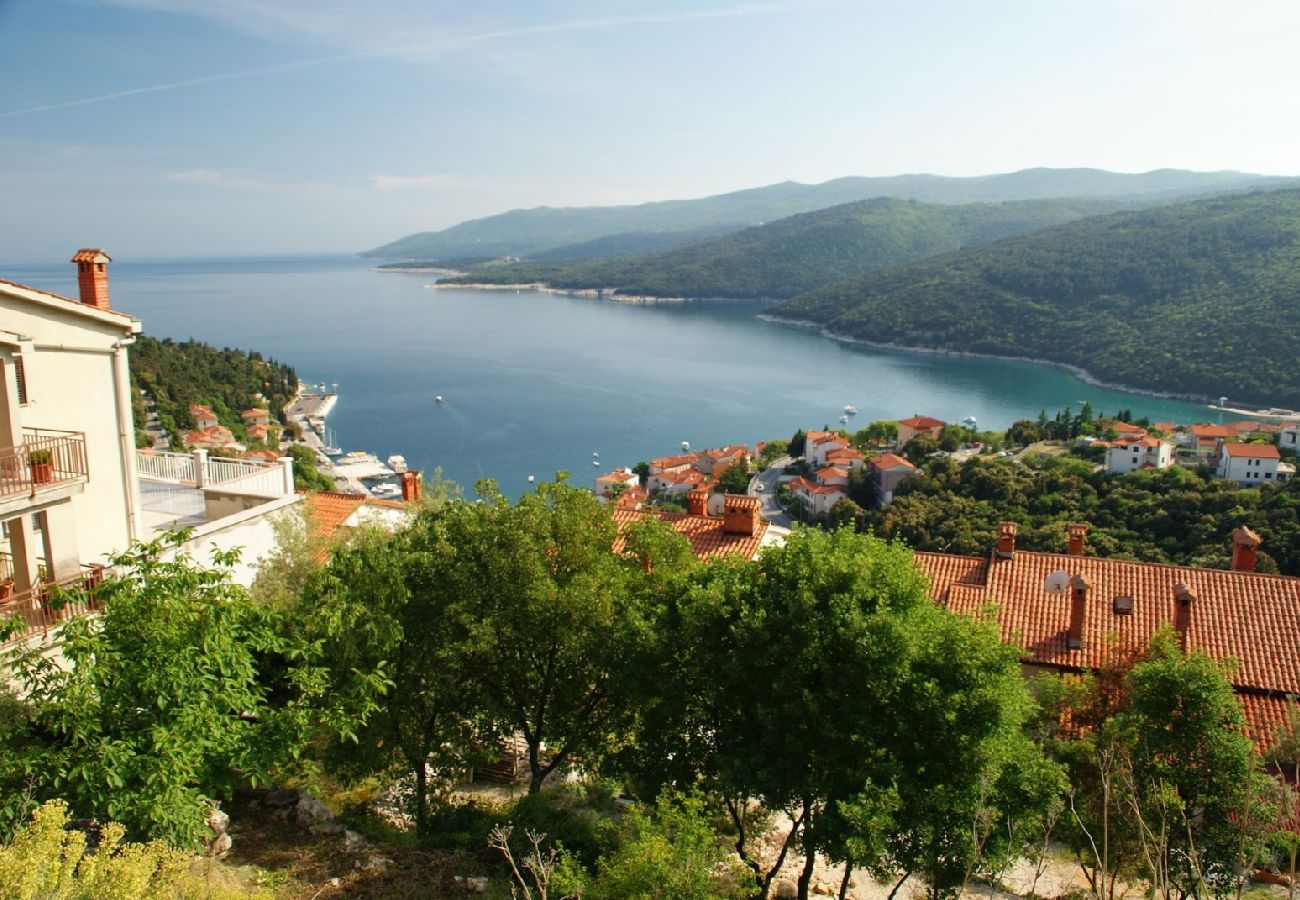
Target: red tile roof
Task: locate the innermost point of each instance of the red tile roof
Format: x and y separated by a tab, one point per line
923	423
832	472
255	414
705	533
77	304
328	510
1212	431
803	484
1252	451
1125	428
891	461
1246	616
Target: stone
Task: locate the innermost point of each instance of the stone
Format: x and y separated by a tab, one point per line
218	820
280	799
353	841
477	885
311	811
821	887
787	890
219	846
327	828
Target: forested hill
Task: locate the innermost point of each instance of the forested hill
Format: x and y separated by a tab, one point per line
802	252
1200	297
176	374
524	232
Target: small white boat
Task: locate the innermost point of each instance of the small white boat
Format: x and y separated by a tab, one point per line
386	490
437	399
530	479
595	462
331	451
356	458
397	463
850	410
844	418
686	445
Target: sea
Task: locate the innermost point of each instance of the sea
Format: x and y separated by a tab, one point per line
535	383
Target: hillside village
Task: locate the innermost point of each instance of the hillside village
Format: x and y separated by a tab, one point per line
78	495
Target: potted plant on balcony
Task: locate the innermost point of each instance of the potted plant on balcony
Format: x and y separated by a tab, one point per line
6	589
42	463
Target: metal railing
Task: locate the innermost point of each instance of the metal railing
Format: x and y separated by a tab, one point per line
49	605
59	456
267	481
222	471
178	467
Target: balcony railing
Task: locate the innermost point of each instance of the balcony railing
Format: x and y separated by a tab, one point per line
60	456
177	467
258	477
48	605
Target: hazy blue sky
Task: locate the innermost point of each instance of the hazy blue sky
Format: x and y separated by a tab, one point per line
199	127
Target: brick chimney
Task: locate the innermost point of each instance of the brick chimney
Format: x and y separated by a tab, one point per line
1077	535
1078	606
740	515
92	276
1183	600
410	485
1245	544
697	502
1007	540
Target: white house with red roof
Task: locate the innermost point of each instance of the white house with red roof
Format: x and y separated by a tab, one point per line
833	475
816	499
819	448
1134	453
203	416
617	480
1288	436
846	458
675	482
1249	465
919	426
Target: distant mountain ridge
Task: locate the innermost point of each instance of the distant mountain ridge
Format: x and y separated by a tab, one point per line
801	252
523	232
1199	297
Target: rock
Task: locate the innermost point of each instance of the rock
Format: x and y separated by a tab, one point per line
821	887
218	821
219	846
281	799
327	828
376	862
787	890
478	885
311	811
353	841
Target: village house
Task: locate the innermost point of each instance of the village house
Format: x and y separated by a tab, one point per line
816	500
1071	612
716	460
616	481
822	443
675	482
257	433
1132	454
735	529
674	463
888	471
1125	430
256	417
833	475
203	416
1288	437
919	426
846	458
1249	465
214	437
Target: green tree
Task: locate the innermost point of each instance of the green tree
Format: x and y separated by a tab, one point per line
881	431
180	691
306	475
798	443
772	451
734	479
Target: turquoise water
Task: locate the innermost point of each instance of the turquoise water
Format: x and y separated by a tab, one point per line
537	382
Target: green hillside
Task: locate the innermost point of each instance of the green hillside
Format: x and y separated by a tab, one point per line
802	252
1200	297
523	232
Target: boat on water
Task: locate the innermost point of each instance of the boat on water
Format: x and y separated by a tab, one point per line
397	463
844	419
438	399
850	410
386	490
357	458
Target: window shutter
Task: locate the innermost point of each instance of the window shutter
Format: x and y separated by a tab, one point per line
22	379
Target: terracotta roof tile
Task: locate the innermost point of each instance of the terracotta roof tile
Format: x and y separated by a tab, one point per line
705	533
891	461
327	510
922	422
1252	451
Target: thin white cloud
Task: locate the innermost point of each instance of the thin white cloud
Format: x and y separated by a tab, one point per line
423	182
429	48
243	182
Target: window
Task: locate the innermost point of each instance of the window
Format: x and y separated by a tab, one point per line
21	376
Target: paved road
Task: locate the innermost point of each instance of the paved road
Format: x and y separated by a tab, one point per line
771	509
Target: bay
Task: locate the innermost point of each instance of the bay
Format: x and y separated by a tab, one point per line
536	383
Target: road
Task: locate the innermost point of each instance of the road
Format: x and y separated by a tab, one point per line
771	508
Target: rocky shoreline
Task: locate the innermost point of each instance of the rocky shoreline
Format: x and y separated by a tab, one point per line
1078	371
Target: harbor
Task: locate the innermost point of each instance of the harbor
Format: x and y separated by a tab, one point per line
354	472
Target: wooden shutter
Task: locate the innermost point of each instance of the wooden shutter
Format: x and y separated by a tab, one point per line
22	379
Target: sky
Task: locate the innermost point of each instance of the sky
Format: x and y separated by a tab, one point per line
188	128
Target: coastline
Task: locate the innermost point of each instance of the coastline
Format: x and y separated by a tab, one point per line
540	287
428	270
1078	371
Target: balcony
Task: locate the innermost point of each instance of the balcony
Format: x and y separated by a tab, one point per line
46	467
189	490
37	612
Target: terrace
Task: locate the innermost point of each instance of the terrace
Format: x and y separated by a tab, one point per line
48	466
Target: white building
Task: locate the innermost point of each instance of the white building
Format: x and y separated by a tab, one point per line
1125	456
1249	464
68	491
1289	437
816	499
820	447
619	479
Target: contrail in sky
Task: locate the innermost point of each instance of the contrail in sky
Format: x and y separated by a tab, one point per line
433	48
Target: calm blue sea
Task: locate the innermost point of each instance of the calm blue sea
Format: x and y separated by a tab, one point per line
536	382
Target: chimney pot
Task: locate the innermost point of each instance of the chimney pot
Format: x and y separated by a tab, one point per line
697	502
1078	607
1007	540
1183	601
410	485
1245	545
740	515
92	276
1077	535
